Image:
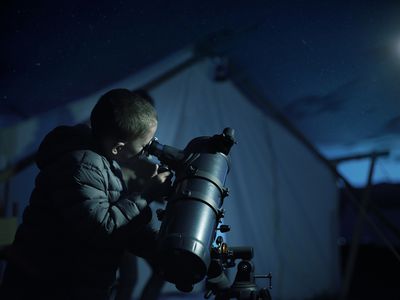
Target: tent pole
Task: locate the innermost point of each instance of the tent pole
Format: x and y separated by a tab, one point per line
357	233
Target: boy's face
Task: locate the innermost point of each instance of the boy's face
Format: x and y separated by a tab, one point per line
134	147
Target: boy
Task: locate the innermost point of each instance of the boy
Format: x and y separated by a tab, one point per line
81	218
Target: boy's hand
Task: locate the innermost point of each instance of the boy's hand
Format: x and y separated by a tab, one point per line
158	187
136	173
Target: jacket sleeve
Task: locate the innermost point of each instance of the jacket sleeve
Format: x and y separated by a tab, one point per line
81	198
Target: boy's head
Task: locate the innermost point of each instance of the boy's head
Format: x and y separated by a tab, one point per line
123	122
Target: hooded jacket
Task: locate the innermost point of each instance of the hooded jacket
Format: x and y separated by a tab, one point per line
80	218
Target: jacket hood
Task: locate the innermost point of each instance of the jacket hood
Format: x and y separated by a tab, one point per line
61	140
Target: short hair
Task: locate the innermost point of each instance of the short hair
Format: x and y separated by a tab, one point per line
145	95
122	114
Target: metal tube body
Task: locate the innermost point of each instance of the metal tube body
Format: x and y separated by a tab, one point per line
191	217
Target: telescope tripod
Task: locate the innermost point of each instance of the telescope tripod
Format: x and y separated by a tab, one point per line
244	286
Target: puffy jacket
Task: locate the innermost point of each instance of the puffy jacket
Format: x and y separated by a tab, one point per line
80	217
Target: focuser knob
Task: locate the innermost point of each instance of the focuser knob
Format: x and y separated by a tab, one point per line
224	228
219	240
225	192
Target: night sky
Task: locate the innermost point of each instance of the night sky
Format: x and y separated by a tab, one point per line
331	67
56	52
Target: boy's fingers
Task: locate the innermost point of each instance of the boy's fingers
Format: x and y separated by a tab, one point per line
155	170
168	178
164	174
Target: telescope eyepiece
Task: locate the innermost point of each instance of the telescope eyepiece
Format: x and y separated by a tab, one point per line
167	155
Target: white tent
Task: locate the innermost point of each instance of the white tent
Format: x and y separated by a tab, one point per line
283	197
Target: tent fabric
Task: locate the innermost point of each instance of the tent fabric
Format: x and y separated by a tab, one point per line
283	200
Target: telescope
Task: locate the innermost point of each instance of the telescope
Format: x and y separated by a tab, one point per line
194	209
193	215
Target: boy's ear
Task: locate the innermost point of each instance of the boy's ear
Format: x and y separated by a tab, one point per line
117	147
